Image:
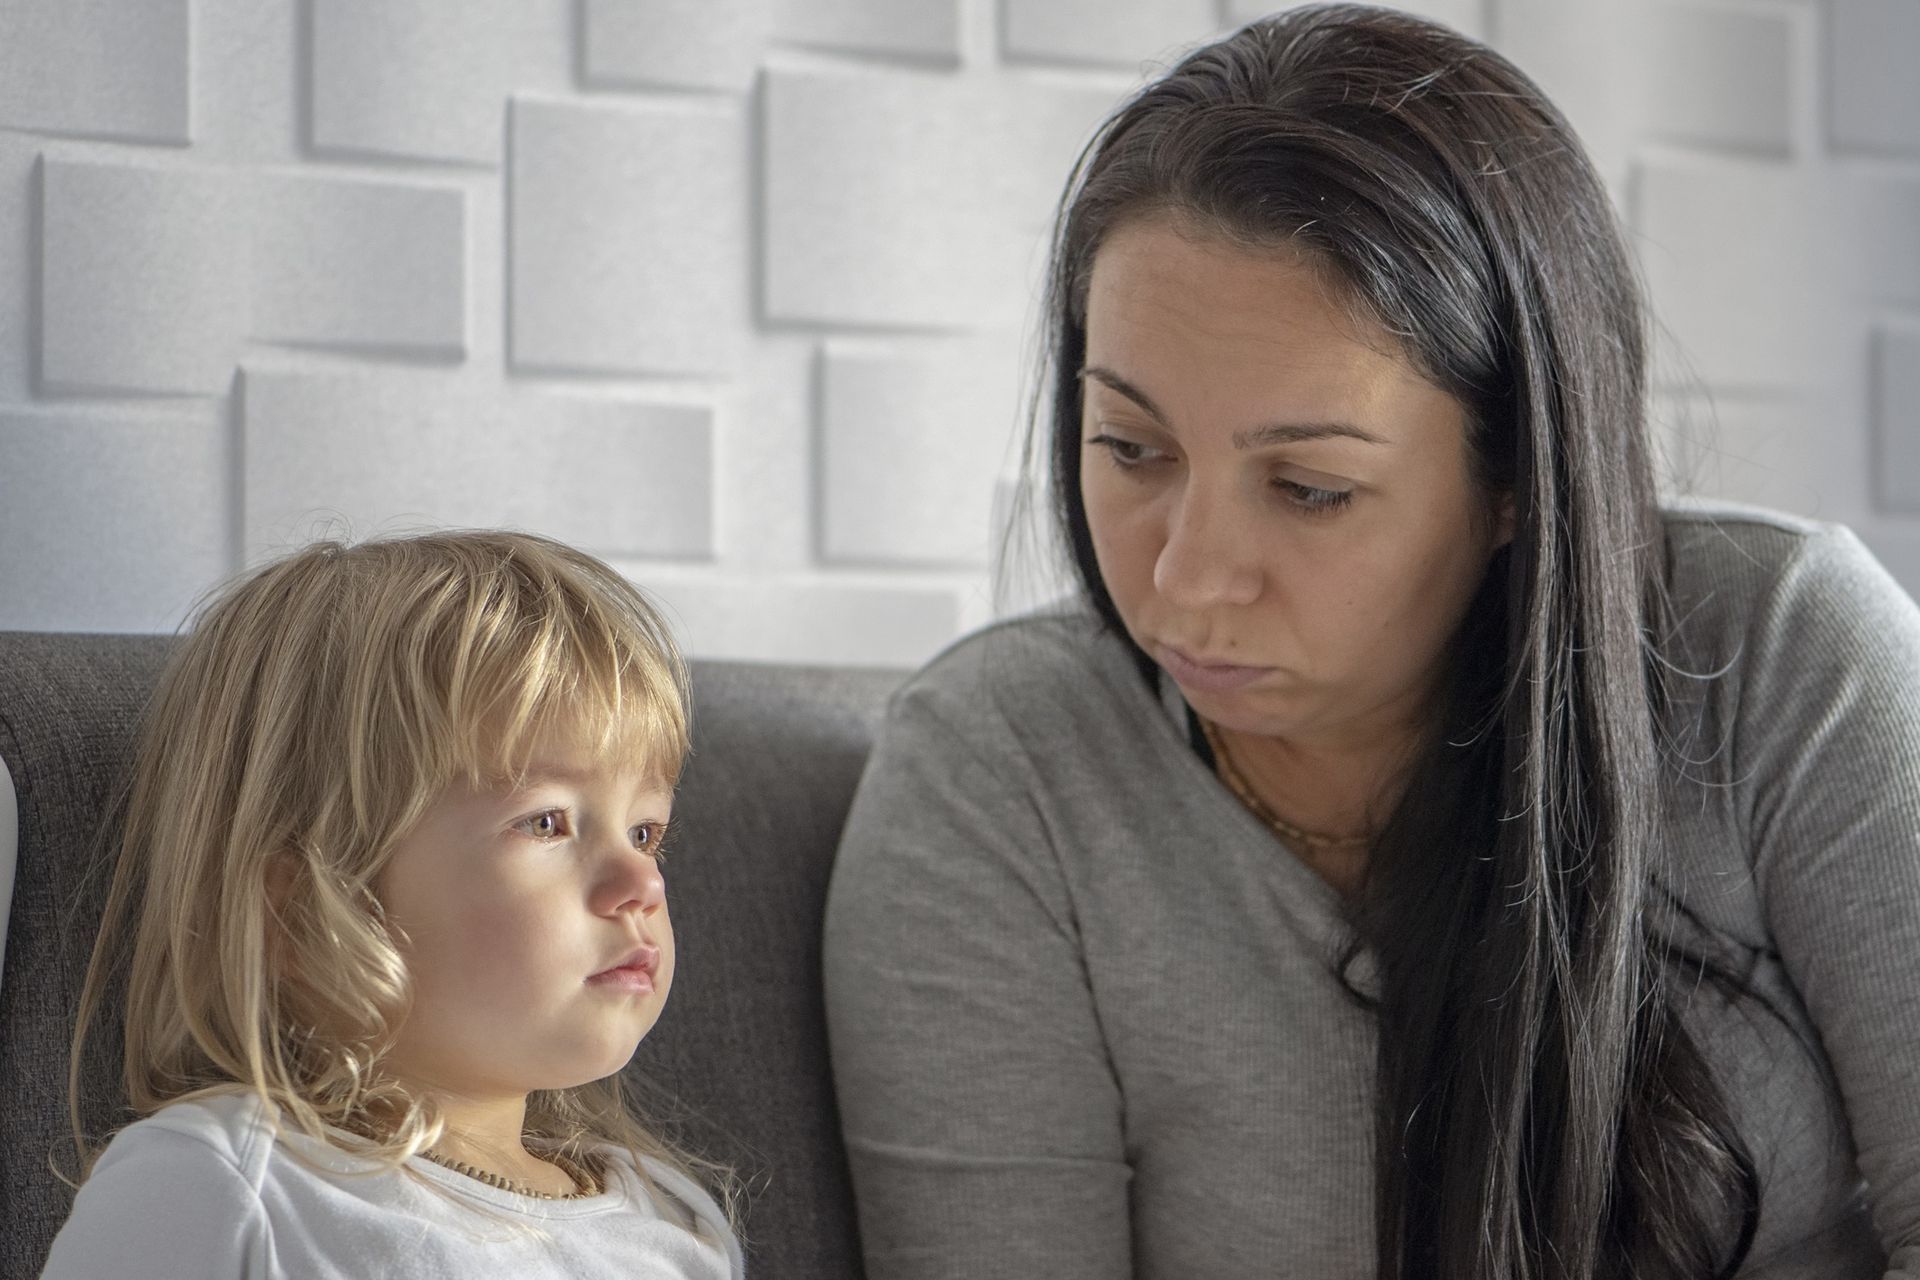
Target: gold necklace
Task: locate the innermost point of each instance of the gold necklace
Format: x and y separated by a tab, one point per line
585	1182
1237	783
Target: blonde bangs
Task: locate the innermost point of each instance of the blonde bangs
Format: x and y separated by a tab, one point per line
594	669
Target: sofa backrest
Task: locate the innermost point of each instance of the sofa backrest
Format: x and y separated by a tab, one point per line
740	1052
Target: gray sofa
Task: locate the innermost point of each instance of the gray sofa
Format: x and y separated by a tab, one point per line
741	1050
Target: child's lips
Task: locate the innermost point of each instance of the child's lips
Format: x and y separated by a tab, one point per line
632	972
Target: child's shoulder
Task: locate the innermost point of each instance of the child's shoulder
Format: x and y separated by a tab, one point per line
677	1198
233	1129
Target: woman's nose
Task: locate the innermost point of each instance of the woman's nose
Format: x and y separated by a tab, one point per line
1208	558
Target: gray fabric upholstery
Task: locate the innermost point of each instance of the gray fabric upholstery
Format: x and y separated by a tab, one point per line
741	1050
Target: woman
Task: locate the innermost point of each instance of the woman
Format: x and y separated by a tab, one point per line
1418	854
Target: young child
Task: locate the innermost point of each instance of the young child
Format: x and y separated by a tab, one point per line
390	914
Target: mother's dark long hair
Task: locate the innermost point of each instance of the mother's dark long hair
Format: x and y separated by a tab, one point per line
1541	1110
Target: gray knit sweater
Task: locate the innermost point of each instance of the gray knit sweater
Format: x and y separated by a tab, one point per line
1084	1013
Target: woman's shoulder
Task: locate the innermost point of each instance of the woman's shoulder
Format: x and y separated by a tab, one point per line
1740	576
1063	654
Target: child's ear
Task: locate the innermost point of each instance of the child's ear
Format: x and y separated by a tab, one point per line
283	869
280	882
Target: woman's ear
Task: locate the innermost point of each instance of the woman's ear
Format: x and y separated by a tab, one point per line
1505	519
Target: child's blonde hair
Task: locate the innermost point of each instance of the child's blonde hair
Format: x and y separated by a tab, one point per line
314	711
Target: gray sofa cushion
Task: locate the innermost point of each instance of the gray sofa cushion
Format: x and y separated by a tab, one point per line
741	1048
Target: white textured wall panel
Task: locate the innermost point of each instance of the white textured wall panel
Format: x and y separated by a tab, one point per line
1896	413
618	477
1746	449
695	44
1587	60
626	232
913	441
1461	15
913	199
359	265
779	620
734	290
1872	49
142	287
916	28
97	68
19	256
1881	221
1719	77
108	521
428	78
1738	262
1123	32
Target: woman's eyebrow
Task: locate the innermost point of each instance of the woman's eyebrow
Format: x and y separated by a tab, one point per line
1258	437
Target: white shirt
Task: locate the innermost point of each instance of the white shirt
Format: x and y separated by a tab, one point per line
207	1189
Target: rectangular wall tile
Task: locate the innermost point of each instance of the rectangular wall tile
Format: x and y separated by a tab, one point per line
920	28
895	199
1718	77
96	68
1130	33
1740	266
627	233
1875	95
616	477
912	442
695	44
111	522
1881	229
143	289
428	79
1461	15
1896	418
782	620
359	265
1756	450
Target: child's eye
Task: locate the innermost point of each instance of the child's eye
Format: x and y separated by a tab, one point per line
648	836
548	824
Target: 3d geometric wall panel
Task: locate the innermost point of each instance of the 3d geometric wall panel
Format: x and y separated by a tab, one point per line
914	28
359	265
1719	77
1875	94
913	199
428	79
112	520
626	228
155	277
96	68
1896	413
694	44
1741	262
616	476
744	293
914	438
142	290
1096	31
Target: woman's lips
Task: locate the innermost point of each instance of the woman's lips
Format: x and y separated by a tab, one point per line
1211	677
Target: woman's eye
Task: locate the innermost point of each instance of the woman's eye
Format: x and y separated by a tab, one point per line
548	824
1125	453
1312	499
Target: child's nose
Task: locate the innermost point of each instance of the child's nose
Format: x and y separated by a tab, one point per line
635	883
